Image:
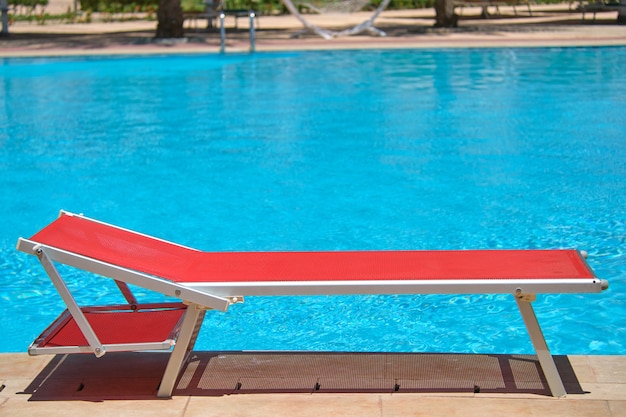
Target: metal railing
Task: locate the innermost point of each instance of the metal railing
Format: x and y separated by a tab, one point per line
252	16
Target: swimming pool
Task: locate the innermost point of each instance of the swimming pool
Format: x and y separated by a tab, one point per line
408	149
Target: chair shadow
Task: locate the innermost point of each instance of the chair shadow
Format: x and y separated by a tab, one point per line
123	376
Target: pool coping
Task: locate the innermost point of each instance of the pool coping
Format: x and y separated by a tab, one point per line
602	379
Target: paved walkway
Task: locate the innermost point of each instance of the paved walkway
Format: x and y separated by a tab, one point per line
549	26
123	385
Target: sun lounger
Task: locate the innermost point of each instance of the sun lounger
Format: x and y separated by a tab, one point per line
210	280
486	4
600	6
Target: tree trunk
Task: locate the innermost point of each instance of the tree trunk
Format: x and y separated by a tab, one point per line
445	17
170	16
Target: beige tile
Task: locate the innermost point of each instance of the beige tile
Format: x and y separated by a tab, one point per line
409	406
618	408
160	408
582	368
21	365
565	408
608	369
491	407
15	388
511	396
288	405
604	392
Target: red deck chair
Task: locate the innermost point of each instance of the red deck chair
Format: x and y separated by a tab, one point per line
209	280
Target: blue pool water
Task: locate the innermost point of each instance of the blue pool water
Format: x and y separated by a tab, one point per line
409	149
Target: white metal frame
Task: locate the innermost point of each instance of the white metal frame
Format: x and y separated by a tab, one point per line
94	346
187	331
455	286
128	276
184	346
546	361
202	296
92	339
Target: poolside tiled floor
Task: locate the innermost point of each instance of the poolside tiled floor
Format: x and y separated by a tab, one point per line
124	384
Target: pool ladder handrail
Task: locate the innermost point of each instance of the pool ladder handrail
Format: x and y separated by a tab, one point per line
252	16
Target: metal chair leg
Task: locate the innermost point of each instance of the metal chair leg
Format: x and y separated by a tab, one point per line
184	345
541	348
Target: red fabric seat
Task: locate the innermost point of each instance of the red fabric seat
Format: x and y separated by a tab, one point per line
181	264
115	327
